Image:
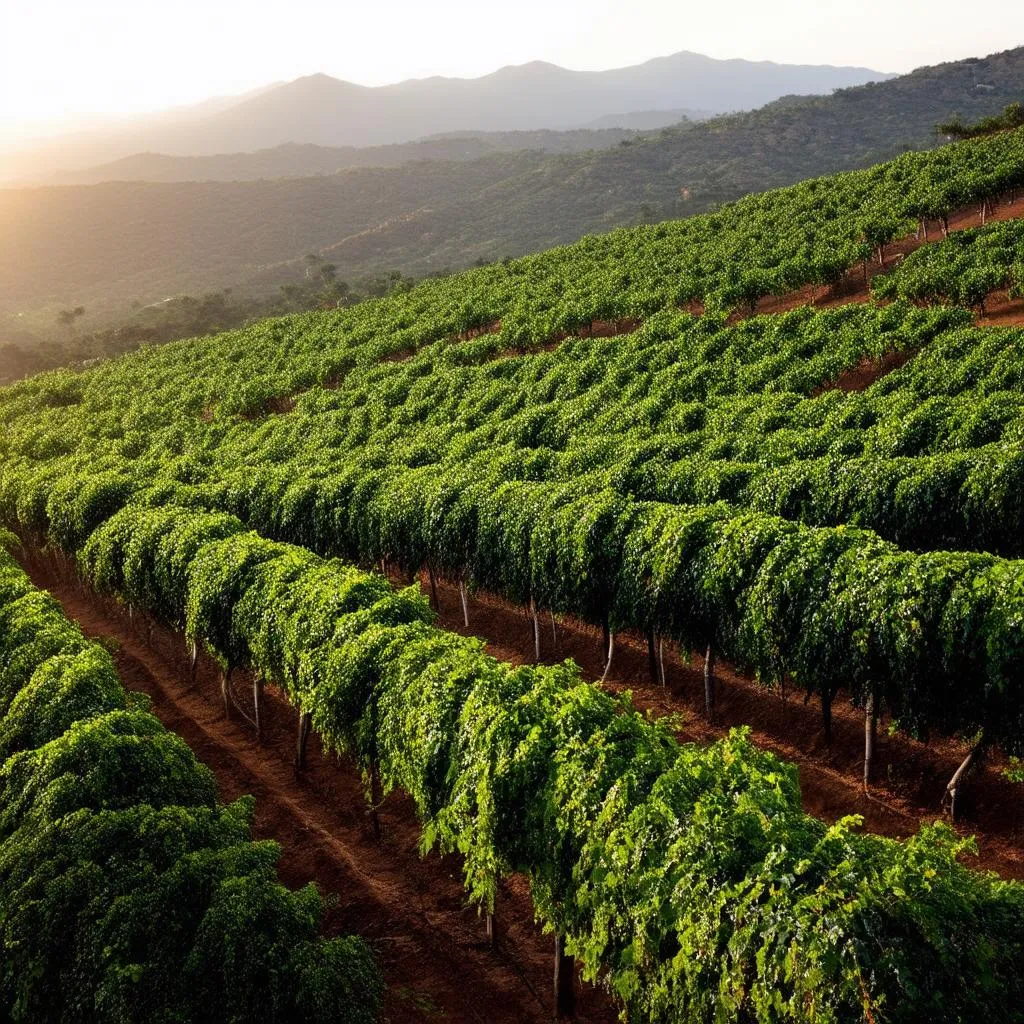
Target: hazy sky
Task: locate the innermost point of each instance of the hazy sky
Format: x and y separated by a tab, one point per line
69	57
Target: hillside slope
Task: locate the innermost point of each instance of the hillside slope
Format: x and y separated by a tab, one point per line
292	160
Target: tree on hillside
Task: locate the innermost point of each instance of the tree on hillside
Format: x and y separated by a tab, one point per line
68	317
1011	117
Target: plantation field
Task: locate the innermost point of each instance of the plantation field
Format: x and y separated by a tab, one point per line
703	483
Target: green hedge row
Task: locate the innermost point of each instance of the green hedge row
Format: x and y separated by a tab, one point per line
127	892
685	878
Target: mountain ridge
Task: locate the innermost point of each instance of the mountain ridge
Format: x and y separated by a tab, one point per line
327	111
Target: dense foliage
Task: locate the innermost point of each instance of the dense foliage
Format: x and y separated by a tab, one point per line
687	878
127	892
680	478
964	268
1012	117
694	477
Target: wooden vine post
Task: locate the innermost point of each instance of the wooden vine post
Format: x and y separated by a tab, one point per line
611	653
536	631
257	703
870	735
709	683
225	690
565	974
465	603
305	725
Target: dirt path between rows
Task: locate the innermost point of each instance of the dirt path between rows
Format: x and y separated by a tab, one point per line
412	910
908	779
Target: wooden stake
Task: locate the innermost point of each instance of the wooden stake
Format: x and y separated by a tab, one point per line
195	658
465	602
870	733
257	703
536	631
611	652
565	971
709	683
305	725
225	681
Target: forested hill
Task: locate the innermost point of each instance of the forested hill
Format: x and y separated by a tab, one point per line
105	246
292	160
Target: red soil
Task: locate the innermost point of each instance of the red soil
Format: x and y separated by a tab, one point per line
909	777
855	284
866	372
412	910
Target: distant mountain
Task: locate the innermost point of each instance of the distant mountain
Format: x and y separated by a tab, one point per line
646	120
325	111
296	161
106	246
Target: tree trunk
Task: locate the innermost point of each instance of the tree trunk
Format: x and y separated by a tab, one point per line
611	652
954	787
652	656
305	724
257	703
709	683
984	211
434	603
536	631
490	929
870	734
945	226
565	971
465	602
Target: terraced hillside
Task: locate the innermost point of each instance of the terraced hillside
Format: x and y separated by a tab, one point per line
567	434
